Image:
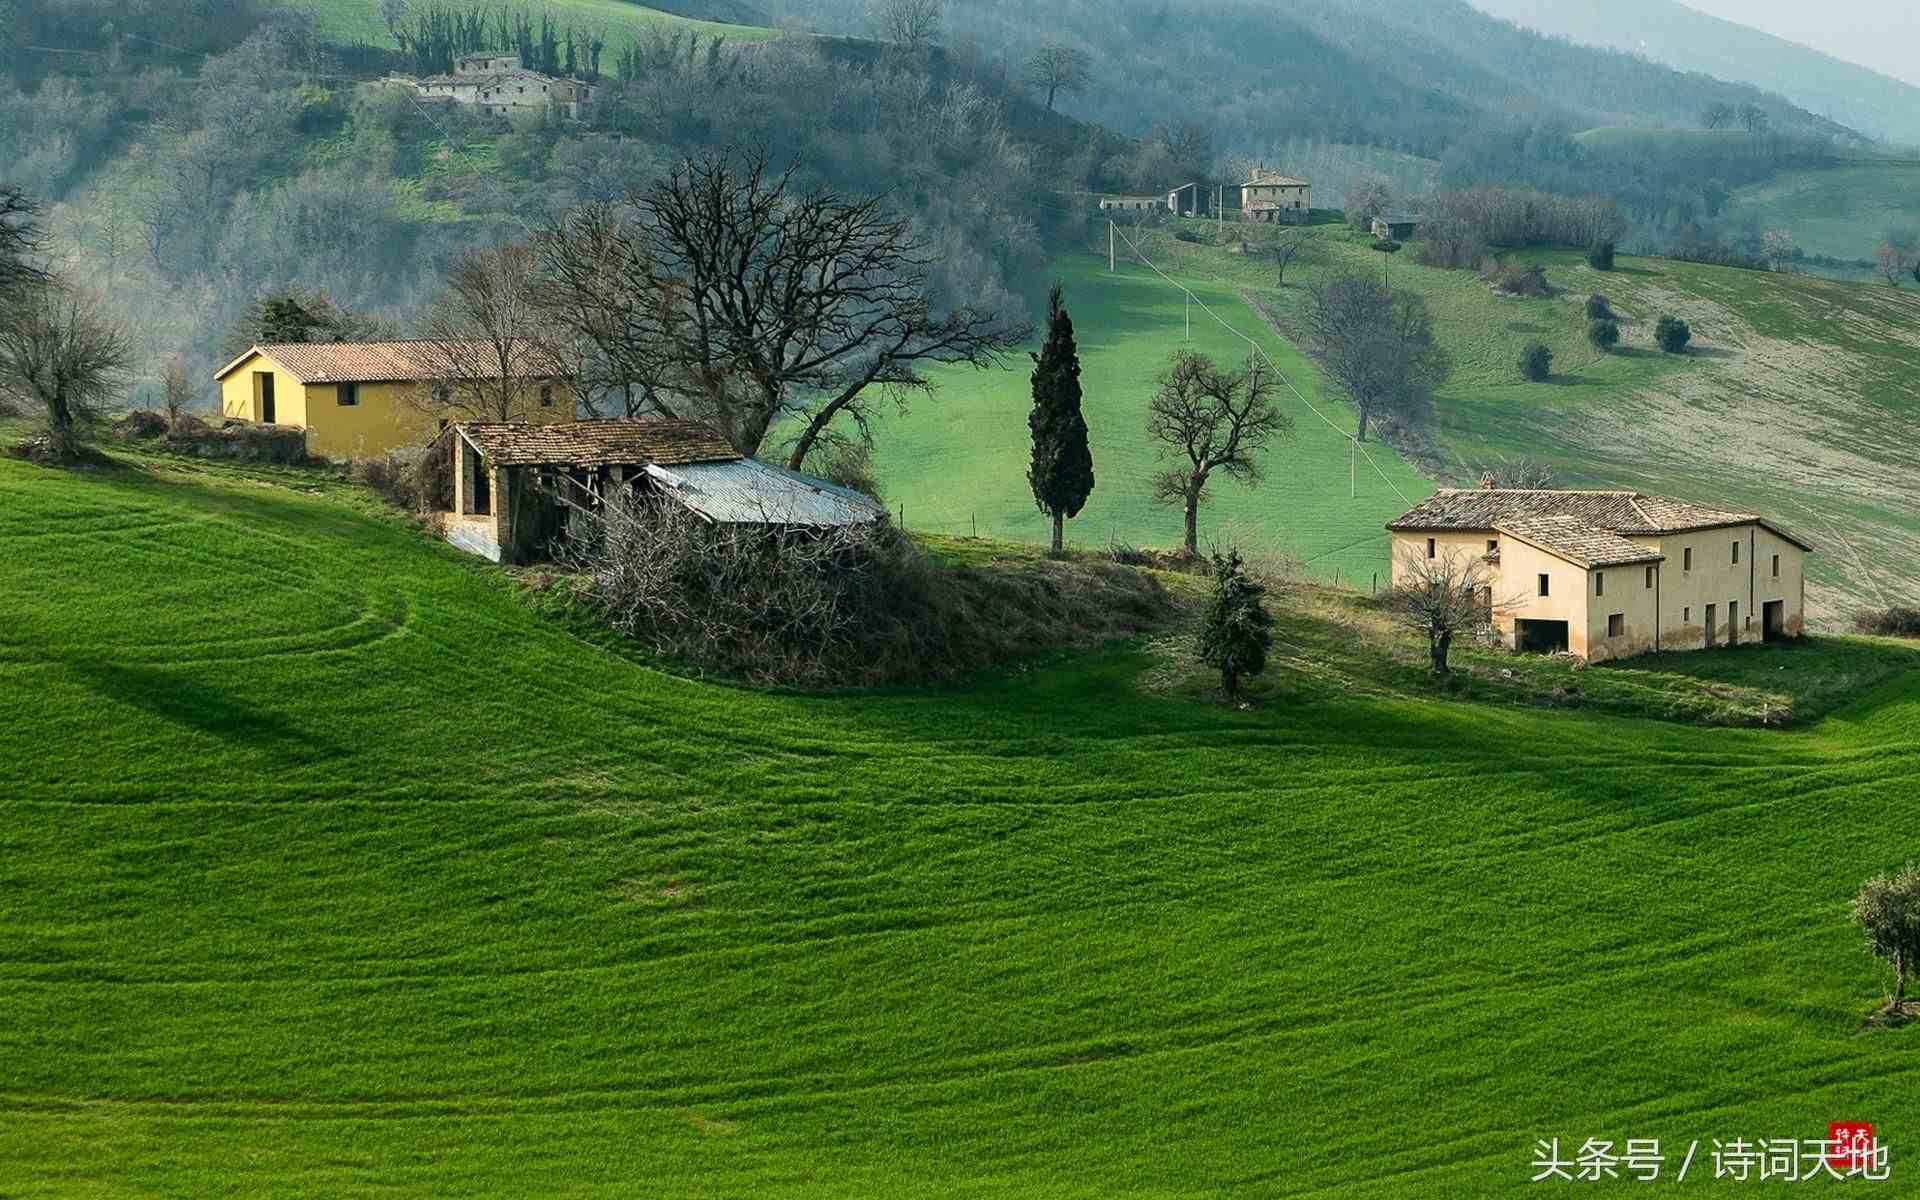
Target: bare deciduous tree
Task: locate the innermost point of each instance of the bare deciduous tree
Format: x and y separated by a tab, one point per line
486	346
1292	243
621	325
789	305
1525	474
60	356
1892	263
1377	345
1444	598
1366	199
20	239
176	390
908	24
1209	419
1055	68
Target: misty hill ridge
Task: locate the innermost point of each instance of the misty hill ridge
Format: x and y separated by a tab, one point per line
1689	40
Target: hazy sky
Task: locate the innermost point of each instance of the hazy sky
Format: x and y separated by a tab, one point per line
1882	34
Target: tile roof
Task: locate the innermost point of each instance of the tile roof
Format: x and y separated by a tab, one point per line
1578	542
384	362
611	442
1274	179
1627	514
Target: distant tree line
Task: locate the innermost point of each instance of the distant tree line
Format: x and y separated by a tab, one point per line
433	35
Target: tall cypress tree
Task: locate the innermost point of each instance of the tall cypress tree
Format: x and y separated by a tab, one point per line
1062	470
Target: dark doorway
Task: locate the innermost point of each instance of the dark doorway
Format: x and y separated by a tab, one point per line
1712	633
1773	620
482	491
1733	622
1540	637
266	395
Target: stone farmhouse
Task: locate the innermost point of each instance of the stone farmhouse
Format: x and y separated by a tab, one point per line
1271	196
500	84
514	482
358	399
1608	575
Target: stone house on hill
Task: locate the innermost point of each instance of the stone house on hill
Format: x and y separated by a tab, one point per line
1271	196
501	84
1613	574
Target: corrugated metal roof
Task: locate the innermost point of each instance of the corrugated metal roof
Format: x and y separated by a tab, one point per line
746	492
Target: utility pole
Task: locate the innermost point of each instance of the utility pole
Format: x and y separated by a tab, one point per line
1189	296
1110	236
1353	470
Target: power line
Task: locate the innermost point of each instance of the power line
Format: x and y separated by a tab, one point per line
1255	347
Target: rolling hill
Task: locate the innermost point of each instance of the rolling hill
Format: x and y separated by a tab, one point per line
1795	402
359	20
1844	212
1686	39
331	868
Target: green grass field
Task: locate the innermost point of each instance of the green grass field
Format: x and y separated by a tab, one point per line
329	868
359	20
959	462
1796	400
1844	212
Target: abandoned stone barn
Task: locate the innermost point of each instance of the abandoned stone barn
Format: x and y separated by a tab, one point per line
514	483
1607	575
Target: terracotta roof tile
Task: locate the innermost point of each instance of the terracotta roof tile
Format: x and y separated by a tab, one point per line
1578	542
1615	513
612	442
380	362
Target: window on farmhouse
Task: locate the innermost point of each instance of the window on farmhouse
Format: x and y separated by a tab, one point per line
1493	545
1649	576
1776	566
1599	583
1686	559
1432	549
1736	554
1617	625
1686	614
546	395
348	394
1544	584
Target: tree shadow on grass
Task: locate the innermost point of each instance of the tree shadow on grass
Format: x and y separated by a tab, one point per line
175	697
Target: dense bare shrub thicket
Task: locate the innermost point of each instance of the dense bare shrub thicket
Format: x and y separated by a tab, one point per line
1463	223
1901	620
854	606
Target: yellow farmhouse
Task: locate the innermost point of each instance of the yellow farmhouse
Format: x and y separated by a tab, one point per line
357	399
1607	575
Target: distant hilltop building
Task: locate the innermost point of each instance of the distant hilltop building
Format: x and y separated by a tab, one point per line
499	83
1272	196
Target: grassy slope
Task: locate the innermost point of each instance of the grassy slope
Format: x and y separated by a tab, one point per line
1844	212
1796	403
328	868
964	456
350	20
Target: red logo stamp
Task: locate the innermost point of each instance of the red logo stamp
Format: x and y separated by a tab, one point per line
1850	1146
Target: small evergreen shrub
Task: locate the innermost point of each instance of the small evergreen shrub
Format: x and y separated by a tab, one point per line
1600	256
1599	308
1237	630
1536	362
1604	333
1672	334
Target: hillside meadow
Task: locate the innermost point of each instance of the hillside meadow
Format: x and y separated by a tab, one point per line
359	20
956	463
1845	212
328	866
1795	399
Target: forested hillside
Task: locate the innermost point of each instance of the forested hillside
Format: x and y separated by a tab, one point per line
185	177
1669	32
1410	75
